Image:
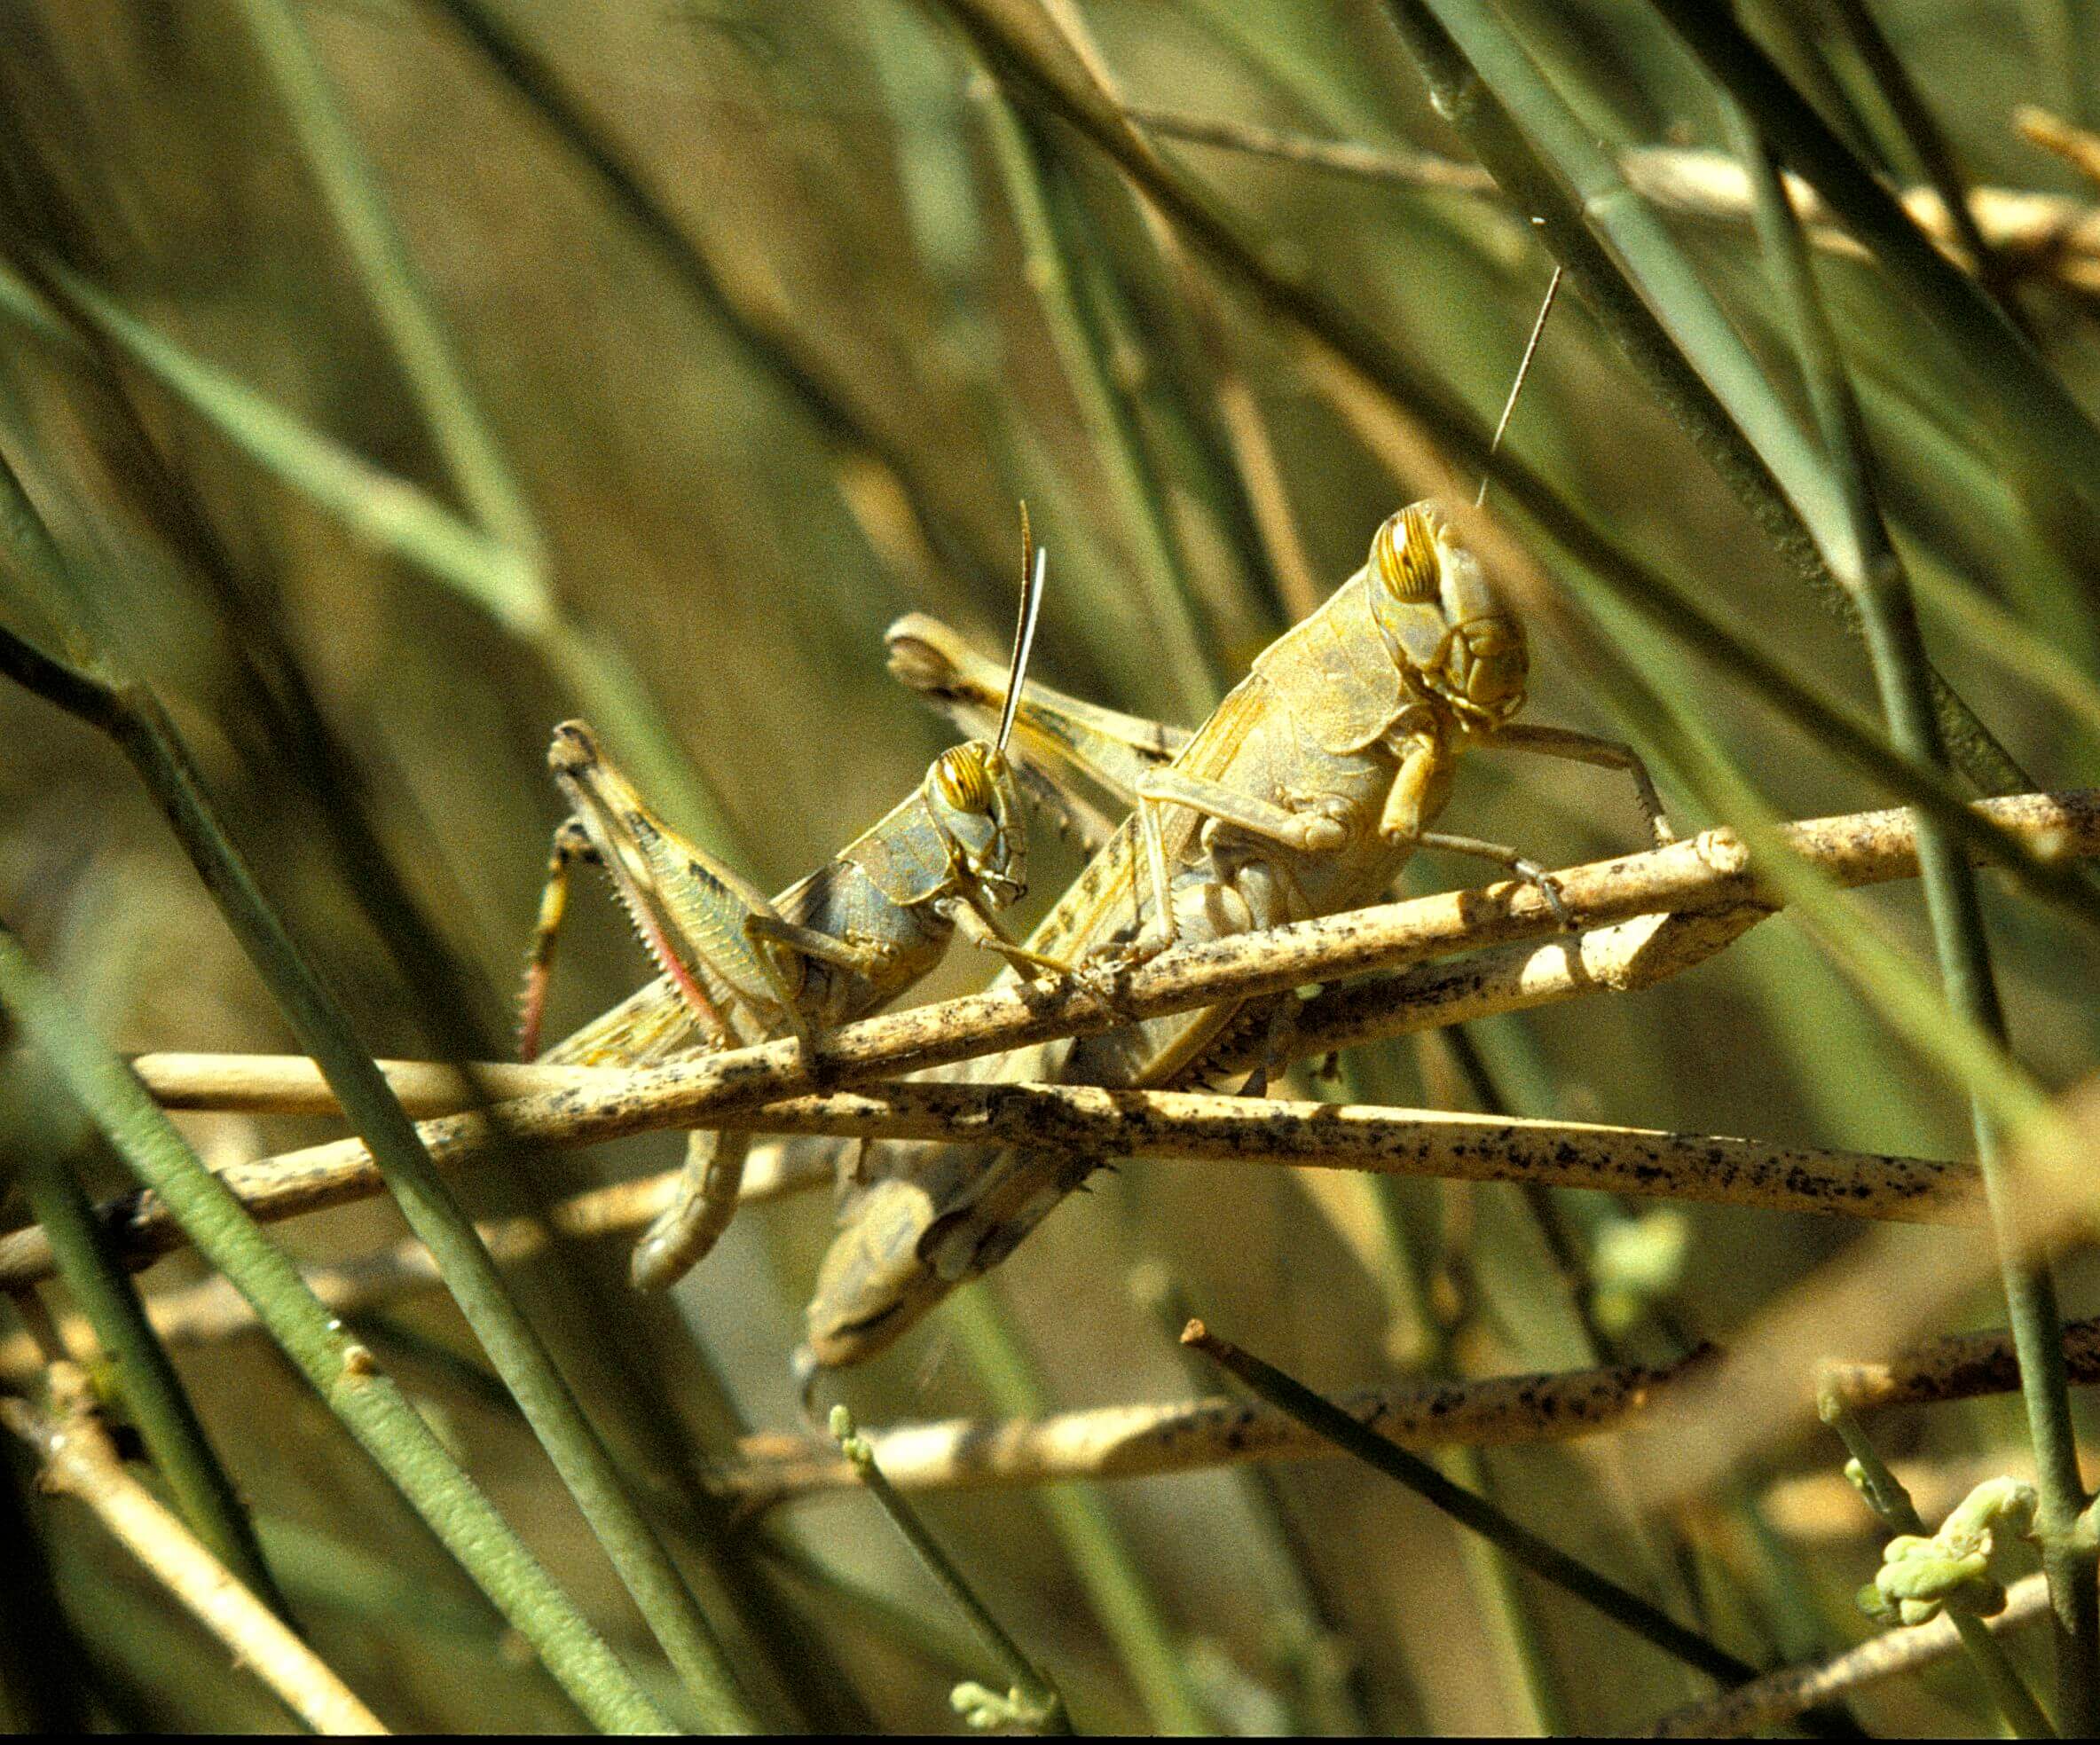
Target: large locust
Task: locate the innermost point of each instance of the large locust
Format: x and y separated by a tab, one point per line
739	968
1303	794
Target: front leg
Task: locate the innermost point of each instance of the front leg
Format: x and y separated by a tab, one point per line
767	931
1584	748
1421	785
982	931
1529	870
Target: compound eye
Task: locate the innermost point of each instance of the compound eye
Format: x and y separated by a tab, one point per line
1404	555
964	782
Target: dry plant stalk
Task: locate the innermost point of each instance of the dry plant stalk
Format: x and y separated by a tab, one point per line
212	1309
1188	1436
1221	1128
1779	1696
2050	235
1619	959
79	1460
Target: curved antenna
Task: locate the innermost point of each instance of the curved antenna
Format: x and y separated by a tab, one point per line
1546	308
1024	630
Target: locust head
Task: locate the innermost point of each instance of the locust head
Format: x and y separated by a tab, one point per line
971	791
975	804
1455	640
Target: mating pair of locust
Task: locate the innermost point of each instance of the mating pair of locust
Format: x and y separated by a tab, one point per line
1302	794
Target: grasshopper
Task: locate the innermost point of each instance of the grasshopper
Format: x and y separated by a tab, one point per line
1303	794
737	968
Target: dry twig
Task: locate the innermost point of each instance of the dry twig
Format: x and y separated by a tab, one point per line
1779	1696
79	1460
1186	1435
1883	1291
213	1309
1623	958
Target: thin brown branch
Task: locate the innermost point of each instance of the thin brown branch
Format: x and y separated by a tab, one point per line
1621	959
1177	1125
2035	234
1240	415
1777	1697
1186	1435
291	1084
1095	1121
79	1460
138	1225
213	1309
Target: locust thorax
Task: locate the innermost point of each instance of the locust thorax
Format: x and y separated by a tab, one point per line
1454	639
976	805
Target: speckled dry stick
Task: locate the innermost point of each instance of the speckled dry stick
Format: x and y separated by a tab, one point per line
212	1309
1776	1698
1184	1435
1620	959
1093	1121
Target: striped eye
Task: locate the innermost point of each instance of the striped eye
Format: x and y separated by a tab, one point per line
1403	554
963	781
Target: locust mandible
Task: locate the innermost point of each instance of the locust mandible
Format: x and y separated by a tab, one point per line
1303	794
737	968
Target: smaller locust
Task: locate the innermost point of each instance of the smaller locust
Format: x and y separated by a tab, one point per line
737	968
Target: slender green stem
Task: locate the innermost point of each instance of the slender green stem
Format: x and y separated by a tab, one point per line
1928	144
1122	1598
1027	1677
1509	1616
390	512
895	1623
1889	1500
1699	369
153	1393
539	84
391	279
133	719
1005	29
1869	564
645	1567
1275	1556
1477	1515
1693	320
2032	406
1050	238
340	1371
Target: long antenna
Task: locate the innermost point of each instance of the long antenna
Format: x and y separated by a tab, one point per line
1546	308
1024	630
